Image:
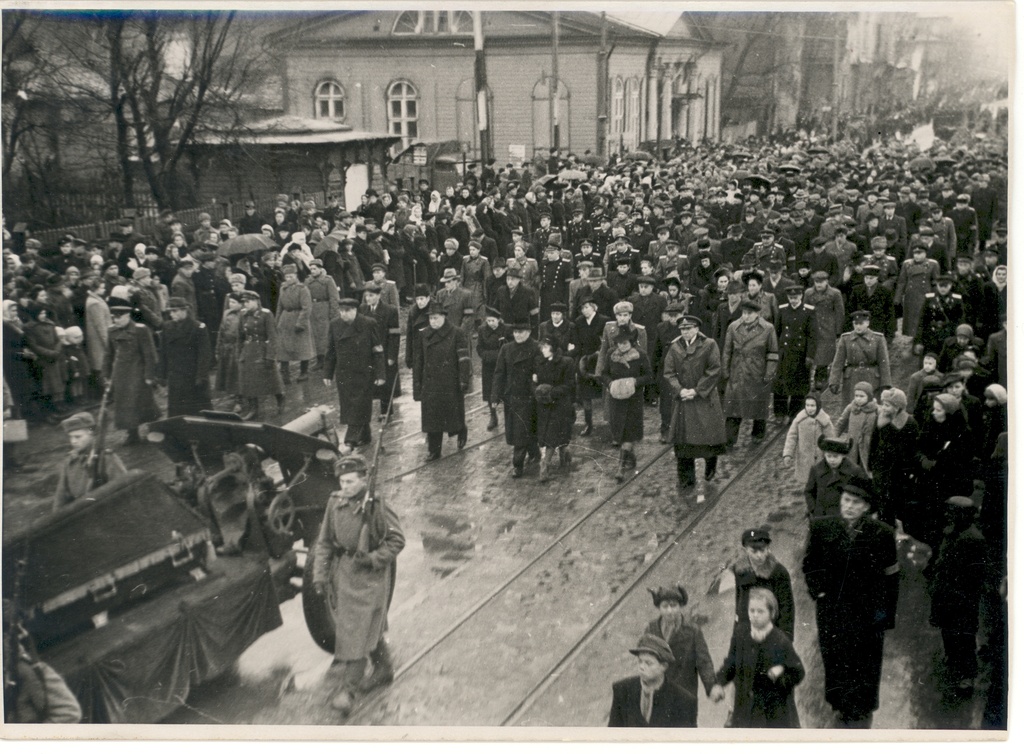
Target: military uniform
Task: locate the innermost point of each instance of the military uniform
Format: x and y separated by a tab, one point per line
797	336
75	475
749	361
939	318
257	351
860	357
131	362
553	282
390	334
877	301
520	305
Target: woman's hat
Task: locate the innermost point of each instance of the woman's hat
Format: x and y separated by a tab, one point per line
865	387
675	593
289	269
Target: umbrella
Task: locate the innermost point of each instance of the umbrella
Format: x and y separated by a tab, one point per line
759	182
921	163
789	168
330	242
818	151
638	154
245	244
944	160
572	175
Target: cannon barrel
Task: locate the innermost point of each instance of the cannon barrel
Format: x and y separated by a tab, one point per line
313	422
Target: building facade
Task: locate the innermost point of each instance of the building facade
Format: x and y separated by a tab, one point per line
411	74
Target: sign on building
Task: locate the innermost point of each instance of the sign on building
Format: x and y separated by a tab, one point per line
419	155
517	152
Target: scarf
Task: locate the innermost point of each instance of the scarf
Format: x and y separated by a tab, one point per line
868	408
760	635
624	358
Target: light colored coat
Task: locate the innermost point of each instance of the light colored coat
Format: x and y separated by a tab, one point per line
802	442
858	422
97	330
294	309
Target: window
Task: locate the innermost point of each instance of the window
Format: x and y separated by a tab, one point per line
617	106
434	22
403	111
329	101
632	117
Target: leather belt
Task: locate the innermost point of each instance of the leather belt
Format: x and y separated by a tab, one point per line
341	552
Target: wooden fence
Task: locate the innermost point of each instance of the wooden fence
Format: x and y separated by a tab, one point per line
145	225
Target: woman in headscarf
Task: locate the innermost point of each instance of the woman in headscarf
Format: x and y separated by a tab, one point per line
44	342
996	297
893	450
993	421
942	469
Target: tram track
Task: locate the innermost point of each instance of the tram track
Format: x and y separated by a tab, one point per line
480	612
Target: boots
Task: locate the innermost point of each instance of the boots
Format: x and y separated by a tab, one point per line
320	362
303	371
685	473
493	423
629	459
588	419
383	669
564	457
280	403
286	373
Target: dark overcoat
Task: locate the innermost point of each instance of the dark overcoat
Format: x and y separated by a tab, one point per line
488	344
626	416
761	702
588	341
441	376
671	706
854	579
50	366
185	361
825	486
555	418
513	386
390	334
693	661
749	361
698	425
354	360
416	322
228	334
130	361
257	353
777	582
958	579
797	335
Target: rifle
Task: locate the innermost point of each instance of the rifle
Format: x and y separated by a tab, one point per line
372	476
96	463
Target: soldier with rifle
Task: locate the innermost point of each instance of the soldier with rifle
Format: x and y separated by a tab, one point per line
354	570
90	463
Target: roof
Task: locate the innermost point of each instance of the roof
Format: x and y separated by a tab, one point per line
291	129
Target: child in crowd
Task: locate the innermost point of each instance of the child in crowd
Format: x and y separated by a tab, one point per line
858	423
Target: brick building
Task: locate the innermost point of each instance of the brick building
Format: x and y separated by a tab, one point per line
411	74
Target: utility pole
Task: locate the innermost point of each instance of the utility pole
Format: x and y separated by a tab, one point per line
835	80
553	89
480	84
602	90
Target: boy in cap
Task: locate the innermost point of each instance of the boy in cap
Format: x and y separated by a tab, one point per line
829	475
649	700
757	568
353	571
80	473
690	649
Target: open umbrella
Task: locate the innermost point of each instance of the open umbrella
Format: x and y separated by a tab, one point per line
572	175
638	154
245	244
789	167
759	182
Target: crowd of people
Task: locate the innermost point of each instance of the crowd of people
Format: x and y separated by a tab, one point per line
729	284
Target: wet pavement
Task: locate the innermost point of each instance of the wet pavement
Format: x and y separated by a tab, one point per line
480	579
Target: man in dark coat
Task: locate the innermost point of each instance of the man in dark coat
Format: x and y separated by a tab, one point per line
441	373
131	364
828	476
589	328
853	575
958	580
258	374
797	336
553	279
943	311
876	299
416	321
517	302
512	385
649	700
210	290
185	361
388	333
355	358
647	309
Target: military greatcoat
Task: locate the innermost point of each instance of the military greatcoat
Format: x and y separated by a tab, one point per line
294	309
797	336
698	425
186	358
860	358
323	295
130	361
354	360
749	361
257	350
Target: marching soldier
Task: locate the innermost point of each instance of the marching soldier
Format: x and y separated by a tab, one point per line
77	475
888	269
797	342
257	352
917	276
353	568
355	359
943	311
874	297
861	356
130	363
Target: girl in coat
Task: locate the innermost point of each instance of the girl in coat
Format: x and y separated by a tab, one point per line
765	668
858	423
893	449
801	450
554	376
50	365
626	372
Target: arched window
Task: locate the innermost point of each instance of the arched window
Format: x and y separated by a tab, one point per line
618	103
434	22
329	101
467	123
631	129
403	111
545	116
